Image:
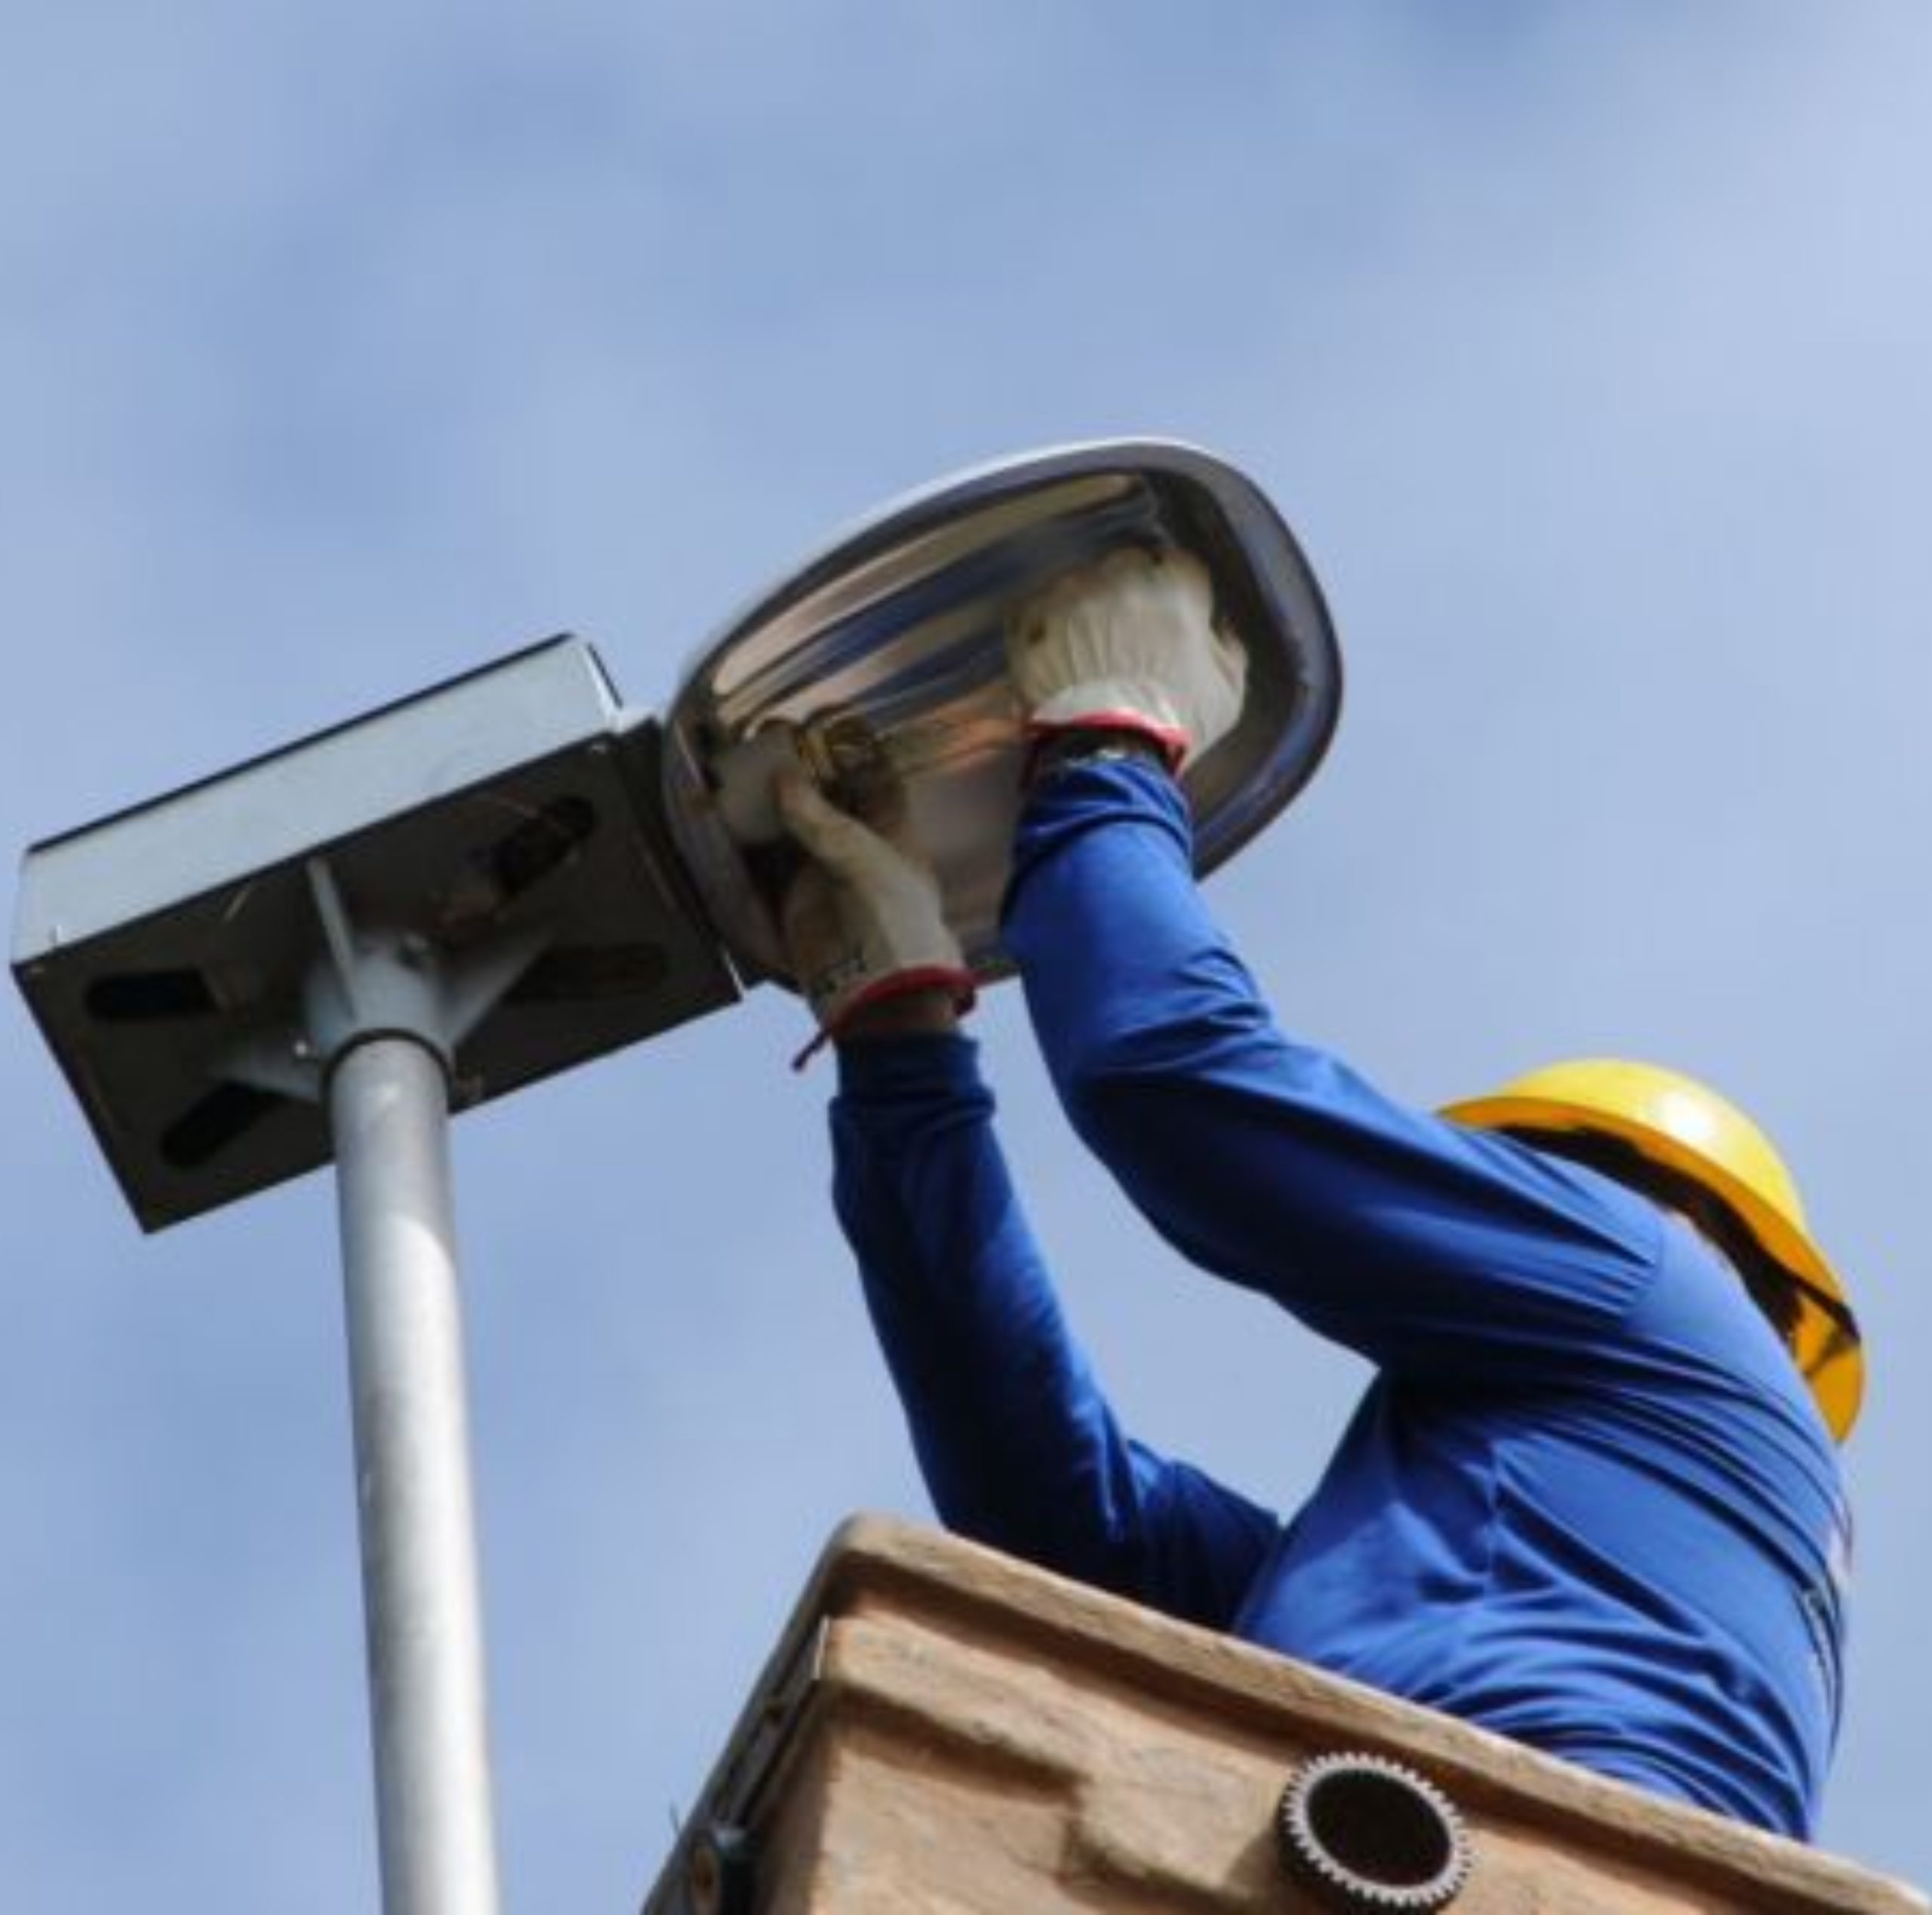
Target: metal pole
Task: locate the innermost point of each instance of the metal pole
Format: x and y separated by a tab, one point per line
388	1109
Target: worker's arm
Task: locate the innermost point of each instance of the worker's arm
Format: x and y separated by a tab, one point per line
1017	1445
1419	1243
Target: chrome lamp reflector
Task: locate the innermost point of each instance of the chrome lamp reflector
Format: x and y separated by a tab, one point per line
884	658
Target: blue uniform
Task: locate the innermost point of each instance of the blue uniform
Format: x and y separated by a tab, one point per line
1586	1501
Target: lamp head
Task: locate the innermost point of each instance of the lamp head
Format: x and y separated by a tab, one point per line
884	656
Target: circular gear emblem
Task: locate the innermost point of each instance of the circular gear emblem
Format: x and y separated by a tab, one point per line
1362	1833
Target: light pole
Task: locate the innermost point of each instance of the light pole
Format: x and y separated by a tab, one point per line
383	1023
318	954
429	1721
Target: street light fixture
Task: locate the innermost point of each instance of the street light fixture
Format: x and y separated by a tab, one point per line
317	955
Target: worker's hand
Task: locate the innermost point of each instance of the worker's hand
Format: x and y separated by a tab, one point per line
863	923
1130	644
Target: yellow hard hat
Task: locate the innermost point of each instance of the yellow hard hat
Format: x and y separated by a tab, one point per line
1689	1129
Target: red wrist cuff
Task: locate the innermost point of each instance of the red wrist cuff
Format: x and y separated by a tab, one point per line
1169	741
961	984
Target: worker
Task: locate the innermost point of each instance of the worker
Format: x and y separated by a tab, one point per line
1591	1498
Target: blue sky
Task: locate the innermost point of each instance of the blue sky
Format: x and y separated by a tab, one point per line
340	349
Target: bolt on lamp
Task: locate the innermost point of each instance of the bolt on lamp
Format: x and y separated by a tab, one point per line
316	955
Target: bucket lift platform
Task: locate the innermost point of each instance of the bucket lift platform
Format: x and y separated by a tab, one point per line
944	1729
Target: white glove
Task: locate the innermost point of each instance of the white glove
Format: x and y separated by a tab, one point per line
1130	644
863	922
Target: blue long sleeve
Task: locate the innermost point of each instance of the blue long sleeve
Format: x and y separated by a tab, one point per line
1017	1444
1422	1245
